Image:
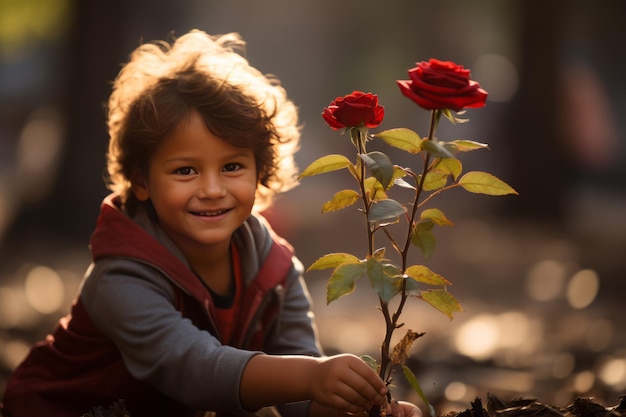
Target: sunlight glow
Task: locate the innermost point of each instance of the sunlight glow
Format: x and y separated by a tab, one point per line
582	288
584	381
478	338
44	289
510	334
613	372
545	280
455	391
514	329
12	352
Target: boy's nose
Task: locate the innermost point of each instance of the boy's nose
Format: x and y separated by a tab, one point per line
211	186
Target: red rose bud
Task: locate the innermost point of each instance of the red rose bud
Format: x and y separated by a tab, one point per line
354	110
437	85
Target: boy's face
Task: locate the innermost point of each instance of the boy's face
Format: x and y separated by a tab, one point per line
202	188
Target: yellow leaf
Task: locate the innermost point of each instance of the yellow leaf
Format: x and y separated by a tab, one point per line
435	180
436	216
484	183
421	273
398	172
464	145
324	164
332	260
374	189
450	166
401	138
340	200
443	301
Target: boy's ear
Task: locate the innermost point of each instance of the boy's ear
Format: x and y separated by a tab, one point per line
139	187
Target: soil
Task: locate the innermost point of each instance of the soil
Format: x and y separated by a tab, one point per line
580	407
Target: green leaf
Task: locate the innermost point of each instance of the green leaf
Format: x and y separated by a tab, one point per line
332	260
464	145
421	273
370	361
397	278
411	286
385	286
484	183
443	301
412	380
436	149
341	200
449	166
385	211
423	237
380	166
436	216
342	280
401	138
324	164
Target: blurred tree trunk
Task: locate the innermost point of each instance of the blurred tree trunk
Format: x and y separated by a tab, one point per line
95	51
539	167
92	53
104	33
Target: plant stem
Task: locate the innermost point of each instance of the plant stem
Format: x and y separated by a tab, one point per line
391	322
434	116
361	149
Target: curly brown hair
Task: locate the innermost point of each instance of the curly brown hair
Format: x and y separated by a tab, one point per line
163	83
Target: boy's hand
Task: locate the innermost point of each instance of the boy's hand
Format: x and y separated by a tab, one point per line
403	409
346	383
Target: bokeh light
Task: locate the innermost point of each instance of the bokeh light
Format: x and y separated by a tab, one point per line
478	337
44	289
546	280
582	288
583	381
455	391
484	335
613	372
12	352
496	74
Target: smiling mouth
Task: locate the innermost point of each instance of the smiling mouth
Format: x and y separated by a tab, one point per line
209	213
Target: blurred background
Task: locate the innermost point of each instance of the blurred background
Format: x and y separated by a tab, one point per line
540	275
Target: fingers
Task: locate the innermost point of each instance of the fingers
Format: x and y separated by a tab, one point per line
347	383
365	383
403	409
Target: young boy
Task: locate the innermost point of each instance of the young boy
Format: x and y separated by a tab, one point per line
192	303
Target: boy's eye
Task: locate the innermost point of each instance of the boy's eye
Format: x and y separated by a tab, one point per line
232	167
185	171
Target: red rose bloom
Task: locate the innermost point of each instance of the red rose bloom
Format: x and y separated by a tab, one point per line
437	85
354	110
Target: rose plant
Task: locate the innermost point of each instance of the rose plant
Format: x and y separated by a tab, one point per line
440	87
